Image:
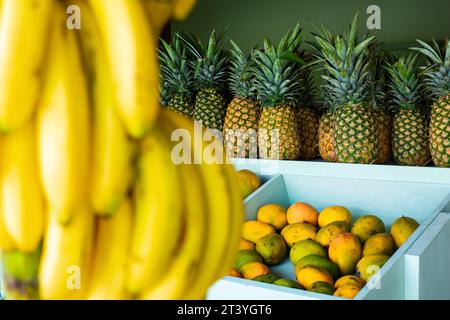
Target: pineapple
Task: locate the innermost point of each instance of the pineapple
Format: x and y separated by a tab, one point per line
409	134
210	64
241	121
438	83
177	78
347	83
308	119
325	134
277	81
380	113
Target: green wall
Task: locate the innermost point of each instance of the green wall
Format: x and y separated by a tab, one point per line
403	21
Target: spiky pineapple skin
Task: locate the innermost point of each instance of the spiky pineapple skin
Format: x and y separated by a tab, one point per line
182	105
308	126
278	133
241	128
410	138
440	132
383	127
210	108
326	137
354	135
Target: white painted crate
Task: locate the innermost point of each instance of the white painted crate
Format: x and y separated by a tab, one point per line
363	189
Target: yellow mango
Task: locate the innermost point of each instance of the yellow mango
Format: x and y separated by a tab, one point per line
254	269
348	291
334	213
309	275
326	234
273	214
366	226
349	280
294	233
368	266
381	243
253	230
246	245
345	251
402	228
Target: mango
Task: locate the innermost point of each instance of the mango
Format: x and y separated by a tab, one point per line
347	291
253	230
267	278
349	280
305	248
308	275
381	243
345	251
402	228
319	262
253	269
273	214
246	256
246	245
302	212
327	233
368	266
293	233
288	283
248	182
321	287
271	248
334	213
234	273
366	226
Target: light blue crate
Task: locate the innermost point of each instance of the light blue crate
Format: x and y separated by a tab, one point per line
387	191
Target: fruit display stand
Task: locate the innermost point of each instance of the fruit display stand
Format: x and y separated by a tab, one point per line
415	270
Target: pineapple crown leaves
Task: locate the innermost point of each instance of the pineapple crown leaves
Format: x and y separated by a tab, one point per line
276	71
210	61
240	77
176	71
308	89
379	77
437	74
347	64
404	84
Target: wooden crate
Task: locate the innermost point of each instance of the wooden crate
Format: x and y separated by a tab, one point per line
386	191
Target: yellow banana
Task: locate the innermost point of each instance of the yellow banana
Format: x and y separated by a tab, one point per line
219	214
182	8
237	218
64	266
6	241
159	13
21	200
179	278
132	58
63	123
107	276
112	150
24	27
157	228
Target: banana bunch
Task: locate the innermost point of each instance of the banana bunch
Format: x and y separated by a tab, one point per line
94	203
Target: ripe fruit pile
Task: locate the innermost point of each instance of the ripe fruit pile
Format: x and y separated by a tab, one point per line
93	203
368	108
330	255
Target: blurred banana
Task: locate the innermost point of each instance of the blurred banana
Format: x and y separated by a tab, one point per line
112	240
24	28
64	267
179	278
63	123
21	201
131	52
112	150
182	8
159	13
219	213
158	214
